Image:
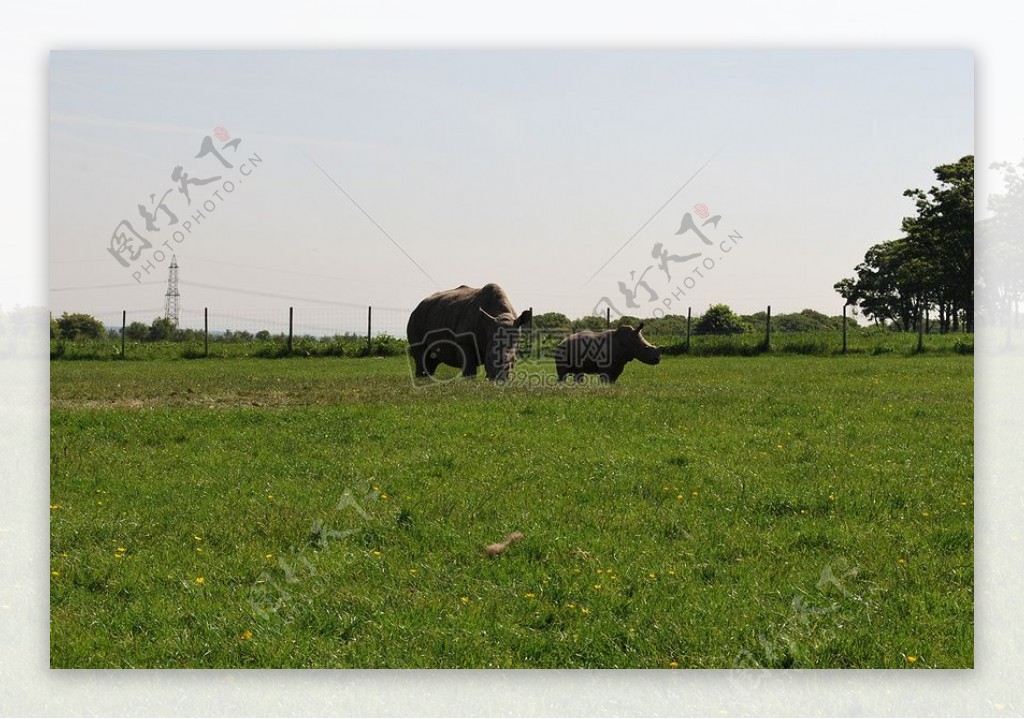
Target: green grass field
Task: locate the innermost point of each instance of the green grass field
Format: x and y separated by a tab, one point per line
770	511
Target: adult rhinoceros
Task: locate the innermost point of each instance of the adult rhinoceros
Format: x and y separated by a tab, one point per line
466	327
603	353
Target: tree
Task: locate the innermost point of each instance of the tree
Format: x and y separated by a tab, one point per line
591	322
79	326
943	237
931	266
551	321
162	329
719	320
136	331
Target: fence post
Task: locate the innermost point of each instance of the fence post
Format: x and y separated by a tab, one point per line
768	330
369	330
844	328
124	318
206	332
688	310
534	340
291	317
607	318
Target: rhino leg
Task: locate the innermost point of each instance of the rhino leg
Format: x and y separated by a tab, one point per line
417	363
610	376
430	364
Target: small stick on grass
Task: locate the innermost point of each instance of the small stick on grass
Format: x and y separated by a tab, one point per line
497	548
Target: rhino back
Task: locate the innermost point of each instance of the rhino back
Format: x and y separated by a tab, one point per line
588	351
457	310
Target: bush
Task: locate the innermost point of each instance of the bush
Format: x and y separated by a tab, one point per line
719	320
963	346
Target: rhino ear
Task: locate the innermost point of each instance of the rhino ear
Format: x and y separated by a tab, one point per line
524	319
490	317
640	327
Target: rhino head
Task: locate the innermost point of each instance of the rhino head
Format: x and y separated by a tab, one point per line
630	344
502	333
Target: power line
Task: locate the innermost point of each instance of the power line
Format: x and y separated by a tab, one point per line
278	296
104	287
292	272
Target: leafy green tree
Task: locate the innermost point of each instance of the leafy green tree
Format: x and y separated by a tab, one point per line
162	329
79	326
590	322
550	320
136	331
931	266
943	237
719	320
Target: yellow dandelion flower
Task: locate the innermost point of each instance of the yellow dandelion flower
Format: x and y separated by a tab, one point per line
200	580
376	553
464	600
831	497
679	497
54	506
600	571
413	570
55	573
376	488
575	570
901	561
672	572
198	539
269	556
911	659
270	497
597	586
673	665
122	550
246	635
584	610
529	595
199	549
570	605
778	446
695	493
384	496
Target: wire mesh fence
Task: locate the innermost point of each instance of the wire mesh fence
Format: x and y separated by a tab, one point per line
353	330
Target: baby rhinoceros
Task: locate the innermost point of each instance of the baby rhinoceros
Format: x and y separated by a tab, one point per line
603	353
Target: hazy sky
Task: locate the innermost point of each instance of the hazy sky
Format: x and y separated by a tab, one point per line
525	168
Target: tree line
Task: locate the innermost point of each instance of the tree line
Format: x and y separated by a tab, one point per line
718	319
928	272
